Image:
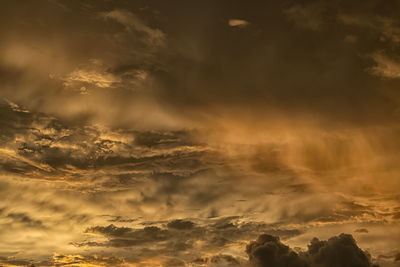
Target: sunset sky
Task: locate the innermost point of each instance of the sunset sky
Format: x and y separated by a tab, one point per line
166	133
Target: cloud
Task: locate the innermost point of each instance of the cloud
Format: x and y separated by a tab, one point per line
48	145
83	260
126	237
174	262
182	233
91	77
181	224
362	231
339	250
238	23
385	67
385	27
221	260
269	251
25	219
155	37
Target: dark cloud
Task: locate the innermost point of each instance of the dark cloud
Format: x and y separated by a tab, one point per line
339	250
174	263
221	260
397	257
25	219
17	262
120	219
181	224
126	237
110	230
182	234
269	251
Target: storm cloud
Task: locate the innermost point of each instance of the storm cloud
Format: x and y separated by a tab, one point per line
339	250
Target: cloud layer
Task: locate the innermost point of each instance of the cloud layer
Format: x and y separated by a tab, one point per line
137	133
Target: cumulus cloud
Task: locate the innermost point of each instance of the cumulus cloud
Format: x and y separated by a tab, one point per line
267	250
339	250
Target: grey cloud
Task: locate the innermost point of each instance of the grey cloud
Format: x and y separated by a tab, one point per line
125	237
221	260
181	224
269	251
362	230
25	219
13	261
110	230
340	250
37	142
174	263
121	219
182	235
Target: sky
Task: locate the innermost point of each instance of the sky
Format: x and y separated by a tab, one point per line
213	133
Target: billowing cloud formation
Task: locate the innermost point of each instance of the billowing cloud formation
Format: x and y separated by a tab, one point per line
340	250
269	251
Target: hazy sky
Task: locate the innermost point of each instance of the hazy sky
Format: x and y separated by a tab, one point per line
195	133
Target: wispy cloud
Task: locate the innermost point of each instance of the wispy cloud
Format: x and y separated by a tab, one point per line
238	23
132	23
385	66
